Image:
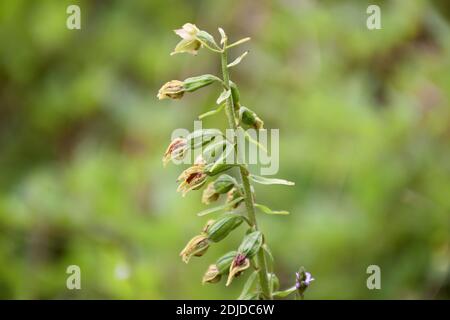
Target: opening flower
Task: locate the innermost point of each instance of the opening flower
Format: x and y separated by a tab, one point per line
197	246
175	150
240	264
189	43
192	178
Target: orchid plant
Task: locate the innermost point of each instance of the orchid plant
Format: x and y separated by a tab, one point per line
232	180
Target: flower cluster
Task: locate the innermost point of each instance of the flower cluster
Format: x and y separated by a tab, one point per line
230	181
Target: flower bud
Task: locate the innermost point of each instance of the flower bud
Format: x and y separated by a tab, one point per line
189	43
232	195
197	246
248	117
173	89
222	185
212	275
175	150
222	227
251	244
192	178
239	264
235	95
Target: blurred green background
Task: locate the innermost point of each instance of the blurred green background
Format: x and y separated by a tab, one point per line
364	122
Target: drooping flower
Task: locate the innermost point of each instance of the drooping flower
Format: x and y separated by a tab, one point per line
192	178
175	150
221	267
240	263
212	275
173	89
197	246
189	43
209	194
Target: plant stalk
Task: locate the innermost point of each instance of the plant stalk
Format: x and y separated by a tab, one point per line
248	198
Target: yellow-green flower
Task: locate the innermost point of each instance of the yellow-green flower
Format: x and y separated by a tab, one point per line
189	43
197	246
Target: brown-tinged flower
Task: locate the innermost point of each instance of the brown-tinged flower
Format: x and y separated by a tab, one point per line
197	246
192	178
189	43
232	195
209	194
175	150
212	275
240	264
173	89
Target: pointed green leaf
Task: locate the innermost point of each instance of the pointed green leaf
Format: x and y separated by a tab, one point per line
248	285
212	112
284	293
269	253
219	208
223	36
267	210
250	139
223	96
263	180
237	60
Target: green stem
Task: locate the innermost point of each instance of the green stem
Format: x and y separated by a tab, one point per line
260	257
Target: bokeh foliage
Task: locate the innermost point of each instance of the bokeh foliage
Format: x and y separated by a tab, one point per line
364	122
